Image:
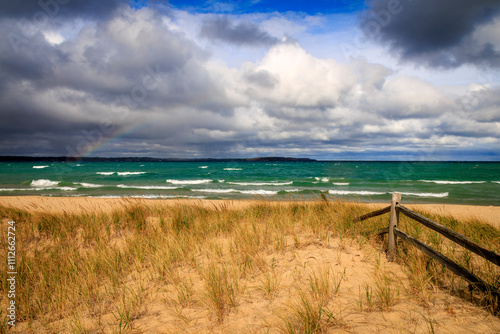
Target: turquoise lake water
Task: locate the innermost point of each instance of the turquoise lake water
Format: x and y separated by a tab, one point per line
419	182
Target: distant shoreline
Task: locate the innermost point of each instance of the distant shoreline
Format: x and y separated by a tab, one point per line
147	159
257	159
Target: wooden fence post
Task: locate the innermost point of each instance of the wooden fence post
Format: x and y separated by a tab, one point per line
391	247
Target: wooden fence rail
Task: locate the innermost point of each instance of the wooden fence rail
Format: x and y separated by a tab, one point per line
395	208
373	214
452	235
456	268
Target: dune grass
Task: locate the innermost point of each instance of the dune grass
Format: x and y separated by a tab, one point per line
96	272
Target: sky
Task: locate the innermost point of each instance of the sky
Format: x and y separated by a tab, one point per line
331	80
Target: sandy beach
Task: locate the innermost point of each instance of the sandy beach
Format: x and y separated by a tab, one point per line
274	275
487	214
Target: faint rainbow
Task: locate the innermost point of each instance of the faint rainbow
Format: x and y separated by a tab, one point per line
204	101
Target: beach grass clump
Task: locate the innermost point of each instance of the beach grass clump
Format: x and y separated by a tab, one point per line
308	316
221	290
99	271
380	294
320	283
310	311
270	284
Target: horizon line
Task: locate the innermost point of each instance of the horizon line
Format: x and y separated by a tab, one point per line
21	158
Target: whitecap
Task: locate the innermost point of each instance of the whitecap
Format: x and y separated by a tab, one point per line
340	183
452	182
90	185
233	168
22	189
40	167
259	192
105	173
261	183
64	188
145	187
44	183
189	181
130	173
248	192
216	190
356	192
426	194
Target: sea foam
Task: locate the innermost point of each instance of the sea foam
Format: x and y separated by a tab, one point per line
356	192
322	179
145	187
452	182
261	183
44	183
90	185
216	190
16	189
426	194
259	192
189	181
249	192
130	173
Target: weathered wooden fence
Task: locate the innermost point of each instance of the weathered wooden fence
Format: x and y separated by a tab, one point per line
395	208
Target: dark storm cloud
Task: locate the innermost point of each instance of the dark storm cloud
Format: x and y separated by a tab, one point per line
123	55
436	33
136	77
245	33
67	98
30	59
33	9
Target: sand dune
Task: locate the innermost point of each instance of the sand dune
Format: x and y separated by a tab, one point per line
292	273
